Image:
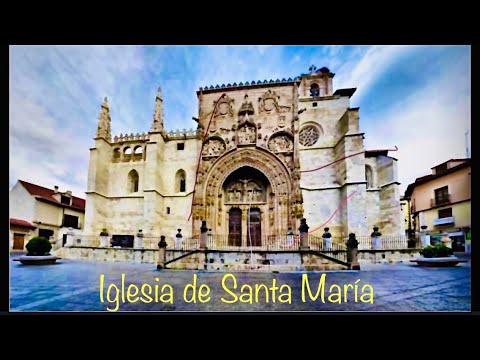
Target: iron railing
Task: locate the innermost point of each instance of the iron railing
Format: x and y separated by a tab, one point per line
388	242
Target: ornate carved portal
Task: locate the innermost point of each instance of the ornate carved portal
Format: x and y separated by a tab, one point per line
250	193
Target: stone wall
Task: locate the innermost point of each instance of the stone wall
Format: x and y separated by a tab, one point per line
387	256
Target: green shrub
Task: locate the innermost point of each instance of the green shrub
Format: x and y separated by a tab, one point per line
38	246
435	251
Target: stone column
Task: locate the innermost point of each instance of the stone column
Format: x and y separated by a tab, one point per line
446	240
203	235
303	234
210	237
162	253
376	238
352	252
290	237
104	239
138	242
327	239
424	236
179	237
69	238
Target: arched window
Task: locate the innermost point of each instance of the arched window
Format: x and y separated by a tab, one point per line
314	90
181	181
133	181
127	153
116	154
138	152
369	176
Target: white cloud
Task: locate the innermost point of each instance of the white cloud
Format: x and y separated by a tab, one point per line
363	69
428	126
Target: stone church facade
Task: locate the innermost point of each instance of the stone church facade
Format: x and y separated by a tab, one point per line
248	168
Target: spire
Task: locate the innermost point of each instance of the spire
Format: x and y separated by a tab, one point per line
157	124
103	129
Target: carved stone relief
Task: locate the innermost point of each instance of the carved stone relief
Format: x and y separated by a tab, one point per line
245	191
224	107
213	147
280	143
246	134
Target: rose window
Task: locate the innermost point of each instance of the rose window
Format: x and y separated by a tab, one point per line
309	135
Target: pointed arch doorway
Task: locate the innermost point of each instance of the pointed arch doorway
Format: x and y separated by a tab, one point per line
247	207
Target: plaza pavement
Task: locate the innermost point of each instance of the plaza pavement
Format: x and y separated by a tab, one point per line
72	285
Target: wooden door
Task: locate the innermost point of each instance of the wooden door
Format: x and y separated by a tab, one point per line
235	227
18	241
255	230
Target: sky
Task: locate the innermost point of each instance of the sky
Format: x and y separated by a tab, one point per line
414	97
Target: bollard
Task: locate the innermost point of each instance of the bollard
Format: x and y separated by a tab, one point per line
162	253
327	241
304	234
179	237
138	240
203	235
352	252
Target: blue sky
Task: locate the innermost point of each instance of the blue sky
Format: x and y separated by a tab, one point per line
414	97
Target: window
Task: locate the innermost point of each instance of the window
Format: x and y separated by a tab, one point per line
441	196
441	168
116	154
180	146
65	200
314	104
369	176
168	210
127	153
181	181
314	90
445	213
133	181
70	221
122	240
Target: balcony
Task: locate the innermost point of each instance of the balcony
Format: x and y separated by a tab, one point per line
444	221
440	201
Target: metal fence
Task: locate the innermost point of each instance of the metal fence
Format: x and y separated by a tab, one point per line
388	242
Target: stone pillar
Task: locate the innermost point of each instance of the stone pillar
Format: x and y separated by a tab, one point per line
290	237
327	239
138	242
179	237
69	238
162	253
203	235
104	239
446	240
210	237
376	238
468	241
352	252
303	234
424	236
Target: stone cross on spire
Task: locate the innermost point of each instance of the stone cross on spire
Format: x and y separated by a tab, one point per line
157	124
103	129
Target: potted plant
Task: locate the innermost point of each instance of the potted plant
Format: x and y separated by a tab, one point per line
437	256
38	252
